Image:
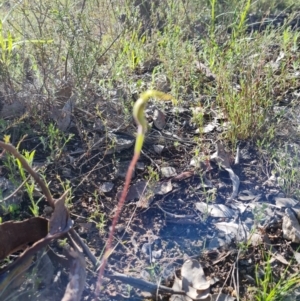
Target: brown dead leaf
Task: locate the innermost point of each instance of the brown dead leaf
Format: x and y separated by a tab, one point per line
63	117
184	175
60	221
16	236
222	158
77	277
201	68
64	92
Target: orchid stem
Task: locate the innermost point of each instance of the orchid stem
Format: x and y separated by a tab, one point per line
138	114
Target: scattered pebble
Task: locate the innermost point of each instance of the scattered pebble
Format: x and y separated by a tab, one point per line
168	172
290	226
106	187
158	148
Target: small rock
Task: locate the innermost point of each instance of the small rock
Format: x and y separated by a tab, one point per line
297	256
163	83
15	109
256	239
159	119
67	172
146	249
99	126
106	187
157	254
168	172
290	226
140	166
158	148
122	168
135	191
121	141
214	210
198	163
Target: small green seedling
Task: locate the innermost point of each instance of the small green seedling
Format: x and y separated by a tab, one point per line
138	114
29	183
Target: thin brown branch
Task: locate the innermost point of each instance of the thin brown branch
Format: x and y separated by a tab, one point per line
15	191
10	148
77	239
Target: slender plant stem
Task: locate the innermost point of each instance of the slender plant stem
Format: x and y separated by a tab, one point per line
115	220
141	121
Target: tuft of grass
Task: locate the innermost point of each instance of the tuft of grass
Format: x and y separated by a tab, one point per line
271	289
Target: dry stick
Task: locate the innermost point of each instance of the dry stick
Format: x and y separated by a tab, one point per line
15	191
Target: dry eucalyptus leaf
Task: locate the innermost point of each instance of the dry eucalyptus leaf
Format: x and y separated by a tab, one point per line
177	285
59	224
163	188
16	235
194	282
232	230
235	183
60	221
120	141
77	277
63	116
285	202
222	158
209	127
13	278
214	210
